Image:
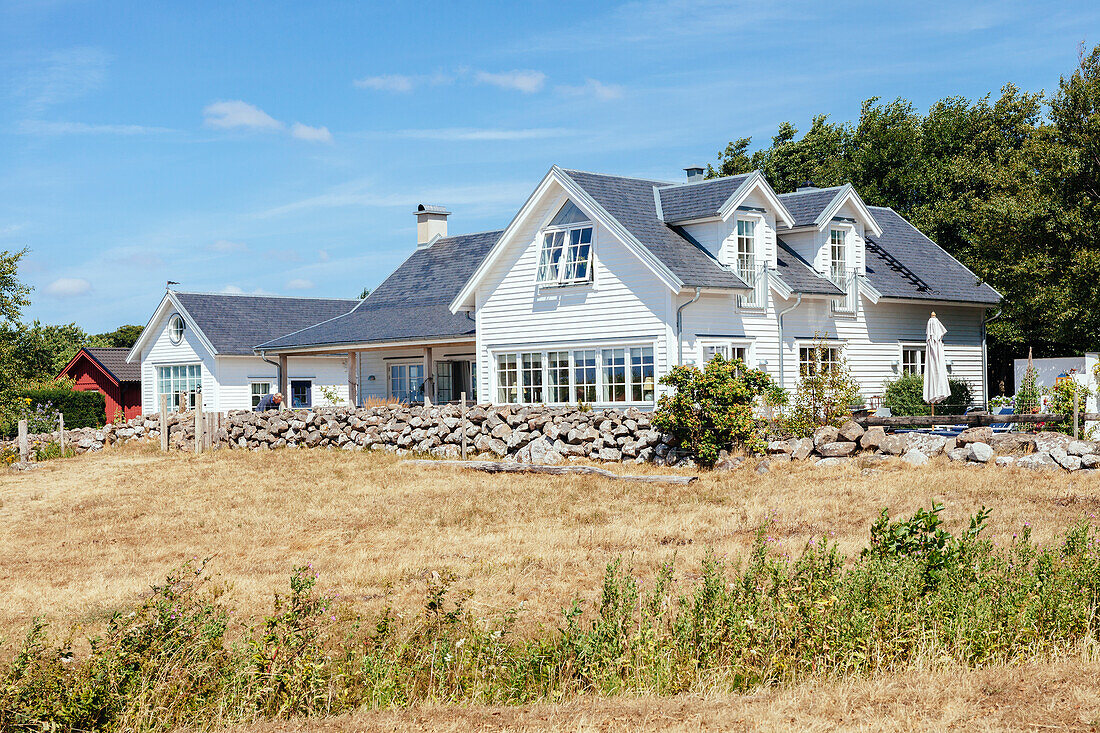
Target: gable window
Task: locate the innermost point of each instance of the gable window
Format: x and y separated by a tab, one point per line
746	246
838	256
180	383
175	328
912	360
565	257
259	391
812	360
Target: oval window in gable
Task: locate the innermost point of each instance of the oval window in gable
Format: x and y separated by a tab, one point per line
175	328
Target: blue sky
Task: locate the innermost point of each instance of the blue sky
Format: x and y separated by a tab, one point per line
281	147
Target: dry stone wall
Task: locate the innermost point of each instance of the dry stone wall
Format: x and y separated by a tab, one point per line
536	434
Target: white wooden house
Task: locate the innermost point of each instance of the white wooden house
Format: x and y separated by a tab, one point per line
600	284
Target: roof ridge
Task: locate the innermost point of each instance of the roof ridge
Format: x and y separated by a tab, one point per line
815	190
707	180
472	234
259	295
614	175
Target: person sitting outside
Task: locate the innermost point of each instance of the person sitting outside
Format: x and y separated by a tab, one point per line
270	402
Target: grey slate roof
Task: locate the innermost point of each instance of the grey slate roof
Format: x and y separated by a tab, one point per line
903	263
799	275
235	323
113	359
631	202
698	200
806	206
411	304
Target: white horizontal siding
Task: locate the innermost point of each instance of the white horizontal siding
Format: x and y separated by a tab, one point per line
160	351
236	374
625	302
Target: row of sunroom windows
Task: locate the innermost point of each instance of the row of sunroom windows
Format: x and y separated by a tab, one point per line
620	374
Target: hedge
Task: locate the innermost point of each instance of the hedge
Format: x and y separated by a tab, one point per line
81	409
905	396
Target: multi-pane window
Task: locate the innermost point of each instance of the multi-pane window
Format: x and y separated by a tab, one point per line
584	375
532	377
811	359
507	378
838	255
641	373
912	360
614	375
406	382
566	253
444	381
624	374
727	350
179	380
259	391
557	376
175	329
746	245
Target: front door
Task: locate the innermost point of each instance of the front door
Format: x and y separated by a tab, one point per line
301	393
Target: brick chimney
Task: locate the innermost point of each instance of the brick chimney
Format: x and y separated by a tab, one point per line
430	222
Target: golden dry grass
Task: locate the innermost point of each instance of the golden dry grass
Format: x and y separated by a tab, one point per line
1041	696
86	536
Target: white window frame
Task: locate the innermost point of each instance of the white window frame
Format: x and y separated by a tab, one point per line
707	344
253	398
838	345
407	363
563	262
915	346
600	386
176	335
173	404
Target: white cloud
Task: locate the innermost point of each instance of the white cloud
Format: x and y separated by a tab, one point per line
224	245
65	75
313	134
490	134
42	127
525	81
232	290
11	229
592	88
300	284
322	255
387	82
237	113
68	287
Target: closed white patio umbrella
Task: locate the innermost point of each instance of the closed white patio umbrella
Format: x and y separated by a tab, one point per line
936	389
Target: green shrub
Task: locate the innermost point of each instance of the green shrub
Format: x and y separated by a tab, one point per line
1061	402
81	409
823	395
905	396
916	597
712	408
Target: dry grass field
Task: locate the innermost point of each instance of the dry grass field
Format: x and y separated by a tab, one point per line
84	537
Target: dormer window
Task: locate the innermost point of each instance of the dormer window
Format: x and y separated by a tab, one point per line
746	245
838	256
566	254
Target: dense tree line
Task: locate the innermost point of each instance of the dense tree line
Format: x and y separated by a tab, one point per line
1010	186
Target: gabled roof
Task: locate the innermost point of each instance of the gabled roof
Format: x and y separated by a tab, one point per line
410	305
684	201
799	275
111	360
231	324
903	263
806	206
631	202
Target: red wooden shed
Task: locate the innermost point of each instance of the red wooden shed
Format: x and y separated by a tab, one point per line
105	370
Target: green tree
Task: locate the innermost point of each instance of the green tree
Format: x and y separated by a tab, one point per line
13	292
123	336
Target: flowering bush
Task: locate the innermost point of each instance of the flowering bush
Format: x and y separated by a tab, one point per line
712	408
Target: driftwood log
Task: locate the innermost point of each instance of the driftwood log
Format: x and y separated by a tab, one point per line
500	467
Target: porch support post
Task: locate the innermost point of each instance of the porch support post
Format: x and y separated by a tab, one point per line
353	378
283	381
429	378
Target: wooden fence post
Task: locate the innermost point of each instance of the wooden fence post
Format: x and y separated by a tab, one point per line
164	422
61	432
198	423
1076	411
463	413
24	446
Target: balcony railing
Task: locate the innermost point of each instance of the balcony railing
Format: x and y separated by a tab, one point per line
848	281
756	276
